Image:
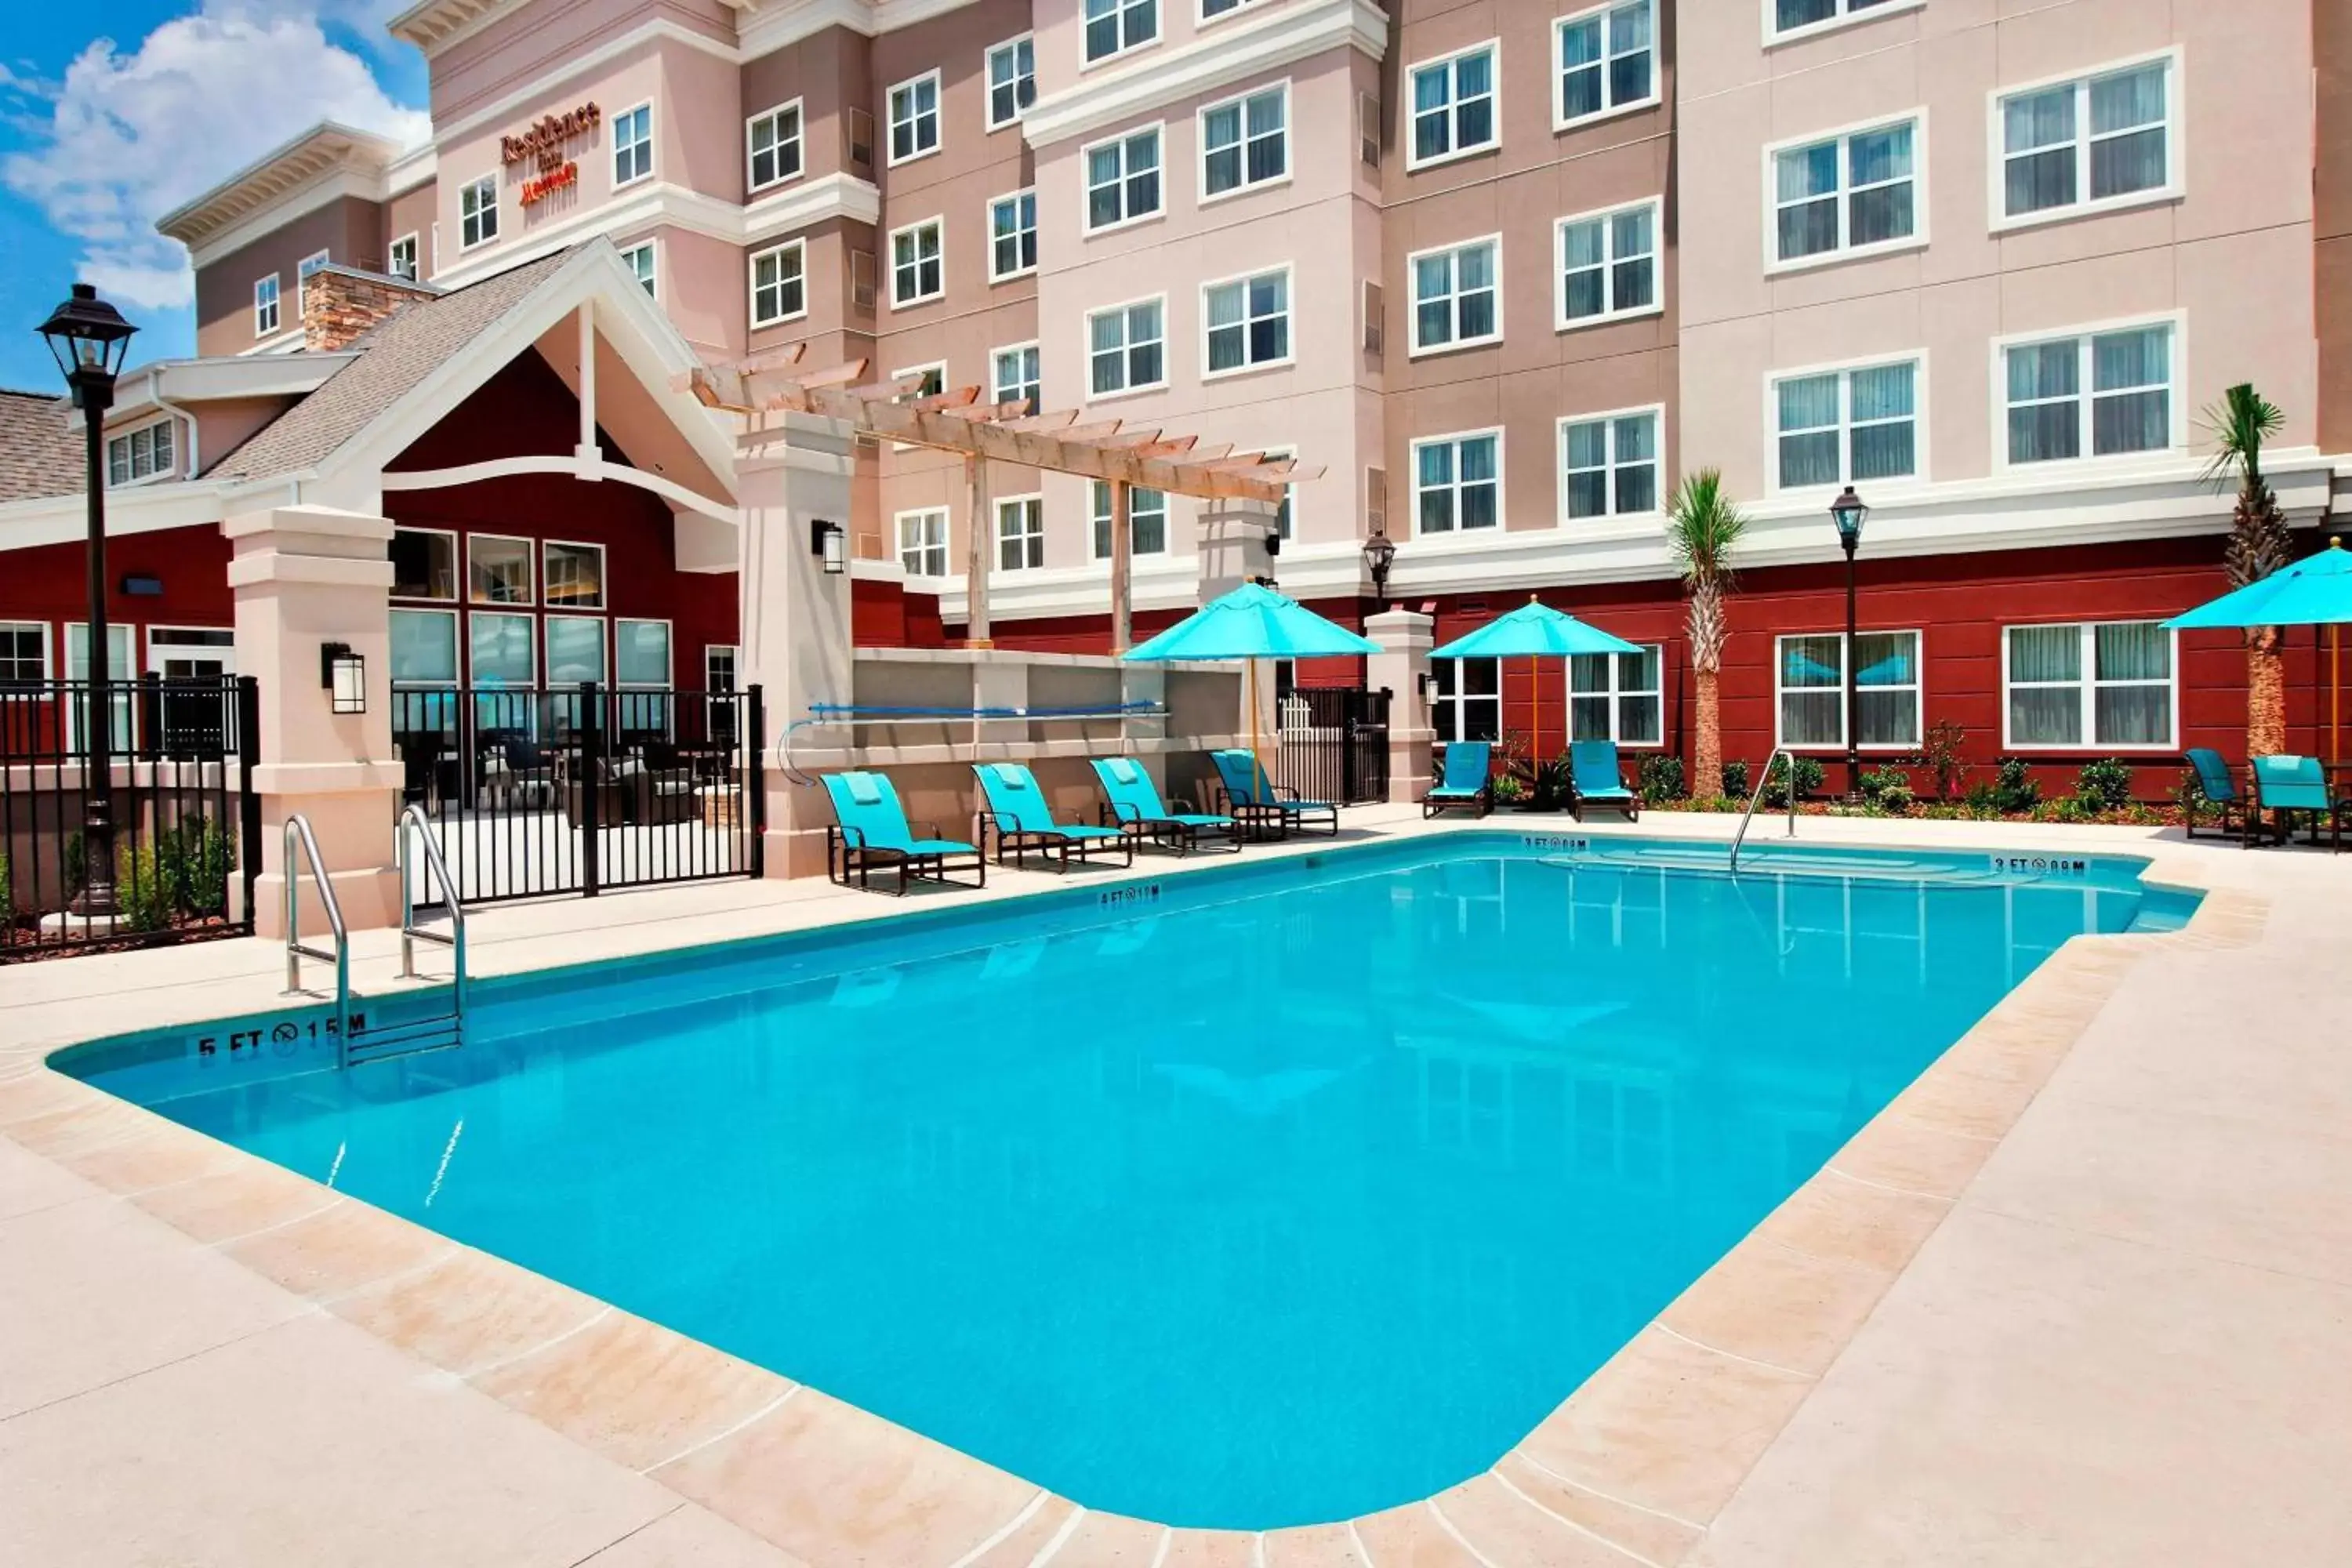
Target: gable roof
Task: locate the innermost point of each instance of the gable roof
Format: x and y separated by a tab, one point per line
40	454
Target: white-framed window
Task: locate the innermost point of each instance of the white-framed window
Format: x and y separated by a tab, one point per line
771	146
1848	425
1606	60
639	260
401	261
146	453
1853	193
2099	394
423	563
1210	10
632	145
1795	18
2088	144
1013	374
1286	514
191	653
501	649
934	378
915	117
264	306
640	653
1457	482
1147	521
575	648
1012	236
1809	676
571	574
916	272
1457	294
478	212
1618	697
121	664
1245	141
2107	685
1245	322
1123	179
1608	265
24	652
1454	106
1465	699
780	283
923	542
499	569
1011	80
302	273
1127	348
424	647
1115	26
720	660
1609	463
1020	532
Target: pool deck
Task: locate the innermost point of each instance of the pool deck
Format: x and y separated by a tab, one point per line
2081	1294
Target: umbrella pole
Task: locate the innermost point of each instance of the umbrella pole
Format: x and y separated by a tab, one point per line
1257	779
2336	695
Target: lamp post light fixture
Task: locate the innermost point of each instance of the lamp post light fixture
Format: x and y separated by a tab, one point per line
1848	512
88	338
1379	551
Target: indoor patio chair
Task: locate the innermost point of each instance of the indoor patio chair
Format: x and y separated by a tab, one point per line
870	829
1131	800
1465	781
1014	809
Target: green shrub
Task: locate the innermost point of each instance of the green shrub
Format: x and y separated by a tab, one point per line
140	896
1983	799
1810	777
2104	785
1510	788
1734	781
1662	779
1895	800
1940	756
1876	782
2014	790
192	863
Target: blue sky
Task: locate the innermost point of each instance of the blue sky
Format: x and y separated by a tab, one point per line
112	114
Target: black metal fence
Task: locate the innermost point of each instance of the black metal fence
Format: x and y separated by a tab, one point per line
582	789
185	822
1333	742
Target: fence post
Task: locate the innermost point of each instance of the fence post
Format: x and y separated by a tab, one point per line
248	798
590	783
751	806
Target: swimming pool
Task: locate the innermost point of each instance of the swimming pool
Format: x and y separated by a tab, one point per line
1257	1195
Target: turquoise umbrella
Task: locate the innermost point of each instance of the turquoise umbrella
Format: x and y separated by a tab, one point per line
2314	592
1534	631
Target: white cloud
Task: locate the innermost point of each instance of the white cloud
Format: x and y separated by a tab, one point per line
128	137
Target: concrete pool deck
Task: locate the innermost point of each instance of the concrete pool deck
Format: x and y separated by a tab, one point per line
2082	1294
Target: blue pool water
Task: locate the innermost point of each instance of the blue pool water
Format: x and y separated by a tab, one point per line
1254	1197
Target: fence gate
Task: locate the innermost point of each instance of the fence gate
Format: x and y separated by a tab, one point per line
583	789
1333	742
186	821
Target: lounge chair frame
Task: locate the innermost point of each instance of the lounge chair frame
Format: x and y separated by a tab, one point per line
845	849
1444	796
2234	816
1628	805
2281	828
1054	845
1178	827
1282	809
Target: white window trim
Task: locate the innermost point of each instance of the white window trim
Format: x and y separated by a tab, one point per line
41	630
1087	351
466	677
926	369
277	306
1502	480
2089	685
993	275
1560	453
491	180
1201	139
994	392
1201	17
2176	170
1561	320
652	247
996	566
1843	19
1916	240
1561	123
938	119
751	284
1159	32
1415	164
603	606
1919	408
2174	449
160	475
1837	747
466	574
415	256
461	647
456	564
947	541
670	653
1414	348
734	652
799	117
1167	526
1617	693
890	260
988	82
603	623
226	653
1289	316
1086	187
652	163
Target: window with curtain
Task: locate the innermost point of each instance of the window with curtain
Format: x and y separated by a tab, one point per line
1606	60
1013	374
1789	15
1147	521
633	144
1115	25
1123	179
121	664
1610	465
1617	697
2100	394
1012	236
1011	80
1846	194
1453	105
424	647
1465	699
642	675
1245	142
1455	298
1248	322
915	117
2101	140
923	543
1607	264
916	271
1809	676
1020	533
2104	684
771	144
1125	348
779	283
575	649
1457	483
1845	427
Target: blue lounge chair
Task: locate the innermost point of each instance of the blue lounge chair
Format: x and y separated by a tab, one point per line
1131	800
871	829
1466	783
2284	785
1014	809
1256	801
1595	779
2219	785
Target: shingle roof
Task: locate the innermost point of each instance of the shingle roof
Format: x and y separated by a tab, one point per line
40	454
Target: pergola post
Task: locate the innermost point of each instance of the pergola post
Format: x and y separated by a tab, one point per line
976	558
1122	564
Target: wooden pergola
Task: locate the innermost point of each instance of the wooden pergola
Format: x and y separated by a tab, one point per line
956	420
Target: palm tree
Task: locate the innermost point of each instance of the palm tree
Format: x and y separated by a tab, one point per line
1702	527
2259	545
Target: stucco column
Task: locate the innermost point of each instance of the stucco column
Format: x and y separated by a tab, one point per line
1403	665
795	617
304	576
1235	537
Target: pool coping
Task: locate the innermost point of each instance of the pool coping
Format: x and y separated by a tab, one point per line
1635	1462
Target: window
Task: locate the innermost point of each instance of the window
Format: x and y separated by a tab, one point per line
633	144
1617	697
575	576
264	306
478	212
501	651
1845	194
142	454
2126	700
1286	513
772	144
779	285
423	563
1012	236
1247	323
1245	141
1123	179
1456	295
1125	348
640	653
1465	699
1147	521
1011	80
1213	9
1114	27
498	570
575	649
2129	375
1795	15
424	647
1013	374
1845	427
2100	141
1454	106
1811	672
302	275
1606	60
121	664
639	260
402	263
1608	265
1457	482
1609	464
916	273
1020	533
24	652
915	117
718	665
923	543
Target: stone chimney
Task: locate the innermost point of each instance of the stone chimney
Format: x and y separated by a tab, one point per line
340	304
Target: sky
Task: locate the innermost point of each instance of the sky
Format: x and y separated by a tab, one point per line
114	112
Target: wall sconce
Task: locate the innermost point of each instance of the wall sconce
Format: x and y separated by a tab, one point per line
345	675
829	543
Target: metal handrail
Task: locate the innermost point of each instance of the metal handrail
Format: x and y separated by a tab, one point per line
1779	754
298	835
410	932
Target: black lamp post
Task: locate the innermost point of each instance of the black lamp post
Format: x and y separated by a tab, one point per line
1379	550
1848	512
88	338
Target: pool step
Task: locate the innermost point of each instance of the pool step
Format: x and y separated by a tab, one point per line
408	1037
1887	869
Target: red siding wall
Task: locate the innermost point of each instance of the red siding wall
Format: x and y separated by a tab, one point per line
884	614
50	584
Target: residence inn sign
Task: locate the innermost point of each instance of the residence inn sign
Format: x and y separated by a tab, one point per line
546	142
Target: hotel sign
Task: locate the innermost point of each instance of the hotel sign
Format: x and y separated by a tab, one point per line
545	144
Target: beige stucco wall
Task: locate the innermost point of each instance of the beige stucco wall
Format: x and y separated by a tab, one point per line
349	229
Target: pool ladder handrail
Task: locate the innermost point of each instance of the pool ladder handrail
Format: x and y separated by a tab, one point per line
411	933
298	837
1740	837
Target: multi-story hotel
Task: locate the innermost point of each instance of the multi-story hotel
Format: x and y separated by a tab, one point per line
1496	273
